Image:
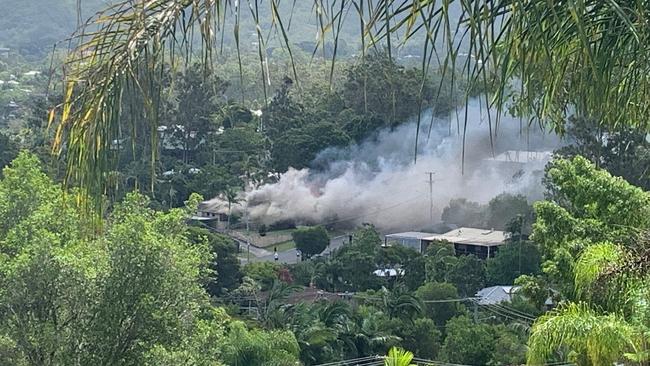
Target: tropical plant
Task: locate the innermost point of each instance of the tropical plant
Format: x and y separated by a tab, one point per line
582	335
592	237
399	303
128	295
232	197
398	357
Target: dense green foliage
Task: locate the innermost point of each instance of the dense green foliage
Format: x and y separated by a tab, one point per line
500	213
311	241
8	150
583	233
140	287
131	295
624	152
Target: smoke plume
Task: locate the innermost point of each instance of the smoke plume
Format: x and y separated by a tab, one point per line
379	181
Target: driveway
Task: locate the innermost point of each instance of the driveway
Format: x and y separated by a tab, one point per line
288	256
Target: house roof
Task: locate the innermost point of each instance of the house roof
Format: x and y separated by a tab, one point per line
496	294
409	235
473	236
389	272
522	156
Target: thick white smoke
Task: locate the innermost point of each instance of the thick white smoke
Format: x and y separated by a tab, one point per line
377	181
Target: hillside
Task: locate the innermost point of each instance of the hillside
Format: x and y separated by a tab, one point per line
31	30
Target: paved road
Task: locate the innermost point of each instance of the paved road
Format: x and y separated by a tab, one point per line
288	256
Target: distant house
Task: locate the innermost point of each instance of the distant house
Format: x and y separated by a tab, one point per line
389	272
496	294
4	52
480	242
118	144
523	157
410	239
206	212
172	138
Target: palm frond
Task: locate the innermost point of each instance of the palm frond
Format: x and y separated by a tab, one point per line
603	339
398	357
120	50
593	261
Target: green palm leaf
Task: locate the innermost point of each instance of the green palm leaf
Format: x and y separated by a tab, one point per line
602	339
398	357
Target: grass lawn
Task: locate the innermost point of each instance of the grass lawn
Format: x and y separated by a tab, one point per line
279	238
284	246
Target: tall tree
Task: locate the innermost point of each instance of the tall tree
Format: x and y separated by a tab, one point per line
591	235
8	150
311	241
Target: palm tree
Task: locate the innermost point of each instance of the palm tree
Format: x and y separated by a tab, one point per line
591	57
274	314
610	322
398	357
232	196
588	56
400	303
584	336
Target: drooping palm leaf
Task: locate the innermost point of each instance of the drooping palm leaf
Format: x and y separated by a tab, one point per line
602	339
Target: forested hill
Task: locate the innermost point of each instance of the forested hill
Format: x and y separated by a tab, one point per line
33	26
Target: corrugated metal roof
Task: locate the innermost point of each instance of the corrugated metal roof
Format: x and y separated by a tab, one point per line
468	235
496	294
409	235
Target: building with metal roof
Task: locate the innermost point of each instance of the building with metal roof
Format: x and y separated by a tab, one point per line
410	239
466	240
496	294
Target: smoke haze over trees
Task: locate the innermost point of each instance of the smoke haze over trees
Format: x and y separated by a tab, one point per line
368	181
321	153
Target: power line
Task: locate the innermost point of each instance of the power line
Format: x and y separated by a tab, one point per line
507	315
504	308
356	361
379	360
423	301
515	311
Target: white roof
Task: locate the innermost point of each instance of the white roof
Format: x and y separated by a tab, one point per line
409	235
522	156
389	272
468	235
496	294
